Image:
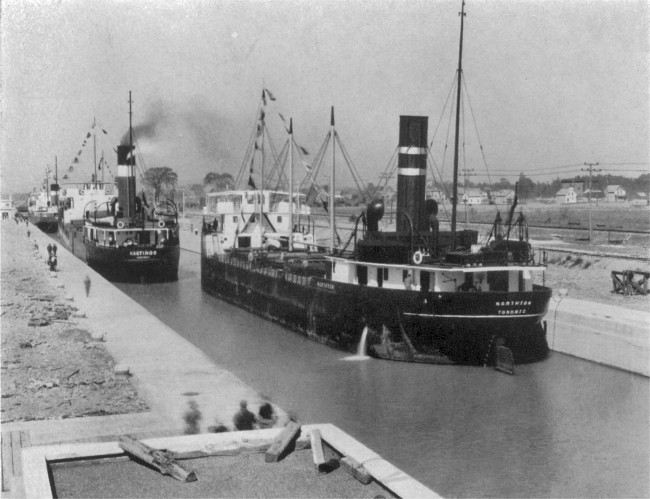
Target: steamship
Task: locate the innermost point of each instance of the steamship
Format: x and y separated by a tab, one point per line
42	209
118	234
415	294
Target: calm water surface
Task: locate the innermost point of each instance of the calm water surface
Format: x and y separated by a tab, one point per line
559	428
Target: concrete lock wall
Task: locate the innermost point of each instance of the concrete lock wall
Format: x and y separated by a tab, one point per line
610	335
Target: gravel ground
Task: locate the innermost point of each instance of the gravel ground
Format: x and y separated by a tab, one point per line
589	278
53	365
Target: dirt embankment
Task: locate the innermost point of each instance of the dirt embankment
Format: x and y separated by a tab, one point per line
54	364
589	278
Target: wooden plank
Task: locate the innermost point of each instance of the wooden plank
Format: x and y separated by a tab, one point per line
7	462
356	470
317	448
232	450
16	453
321	465
282	441
158	459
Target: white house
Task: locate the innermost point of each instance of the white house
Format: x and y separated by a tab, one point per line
504	196
566	195
473	196
578	185
437	195
593	194
616	193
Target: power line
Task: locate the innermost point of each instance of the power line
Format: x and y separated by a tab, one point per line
562	167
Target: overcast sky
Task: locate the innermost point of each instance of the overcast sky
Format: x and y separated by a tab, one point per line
551	83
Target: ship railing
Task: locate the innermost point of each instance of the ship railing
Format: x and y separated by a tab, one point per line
238	260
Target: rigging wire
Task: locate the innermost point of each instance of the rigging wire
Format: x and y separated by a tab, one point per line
471	109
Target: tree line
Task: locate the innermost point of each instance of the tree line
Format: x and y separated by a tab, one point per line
529	189
162	181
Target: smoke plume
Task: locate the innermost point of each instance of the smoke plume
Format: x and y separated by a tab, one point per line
191	138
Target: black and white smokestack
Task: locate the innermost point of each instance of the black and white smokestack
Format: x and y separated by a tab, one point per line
411	173
126	180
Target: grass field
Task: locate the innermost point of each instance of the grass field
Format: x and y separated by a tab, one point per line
605	216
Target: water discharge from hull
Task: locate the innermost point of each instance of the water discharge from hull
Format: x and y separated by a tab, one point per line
362	349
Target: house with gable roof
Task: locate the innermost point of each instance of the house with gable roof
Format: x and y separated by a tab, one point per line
616	194
566	195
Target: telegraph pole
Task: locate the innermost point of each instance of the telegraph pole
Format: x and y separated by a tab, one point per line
467	173
590	170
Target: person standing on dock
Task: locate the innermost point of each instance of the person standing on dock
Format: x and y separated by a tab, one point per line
54	248
243	419
87	284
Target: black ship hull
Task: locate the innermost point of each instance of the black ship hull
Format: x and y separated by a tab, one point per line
123	264
47	222
430	327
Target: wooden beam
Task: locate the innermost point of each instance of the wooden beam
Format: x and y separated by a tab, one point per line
317	448
7	462
356	470
282	441
321	465
232	450
156	458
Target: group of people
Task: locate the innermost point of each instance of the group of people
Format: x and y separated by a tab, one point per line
243	419
51	256
19	217
246	420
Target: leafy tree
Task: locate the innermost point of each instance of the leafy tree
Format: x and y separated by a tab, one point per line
526	187
214	181
160	179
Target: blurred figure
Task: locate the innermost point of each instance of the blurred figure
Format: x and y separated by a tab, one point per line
192	418
87	285
218	428
243	419
266	417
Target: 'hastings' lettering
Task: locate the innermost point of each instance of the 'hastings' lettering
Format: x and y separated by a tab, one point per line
143	253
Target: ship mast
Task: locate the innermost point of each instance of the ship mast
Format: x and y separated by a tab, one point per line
454	203
131	153
95	151
332	184
290	184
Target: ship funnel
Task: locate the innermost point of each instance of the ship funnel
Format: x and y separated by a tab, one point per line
411	173
125	180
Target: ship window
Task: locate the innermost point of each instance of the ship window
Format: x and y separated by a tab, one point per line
498	281
235	219
279	219
385	274
380	277
424	280
362	275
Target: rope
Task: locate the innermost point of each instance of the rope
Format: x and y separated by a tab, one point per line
488	351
